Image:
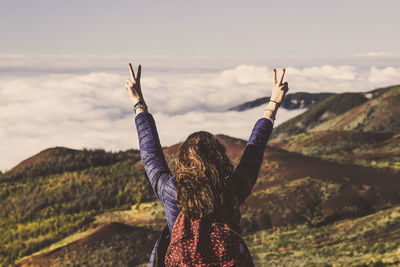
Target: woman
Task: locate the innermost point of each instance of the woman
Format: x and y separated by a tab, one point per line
201	201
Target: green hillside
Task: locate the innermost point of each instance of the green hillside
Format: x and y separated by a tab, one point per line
366	135
379	114
292	189
366	241
328	109
370	240
369	149
41	203
61	159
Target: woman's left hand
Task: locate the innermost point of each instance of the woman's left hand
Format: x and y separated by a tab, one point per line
132	84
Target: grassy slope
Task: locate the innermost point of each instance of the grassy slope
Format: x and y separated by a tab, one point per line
369	149
148	216
380	114
366	135
292	189
61	159
41	205
325	110
330	108
372	240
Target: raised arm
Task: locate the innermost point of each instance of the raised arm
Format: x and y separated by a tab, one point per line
151	151
252	157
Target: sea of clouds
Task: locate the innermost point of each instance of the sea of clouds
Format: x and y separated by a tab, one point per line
92	109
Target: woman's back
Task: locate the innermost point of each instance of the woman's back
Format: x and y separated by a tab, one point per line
163	183
201	202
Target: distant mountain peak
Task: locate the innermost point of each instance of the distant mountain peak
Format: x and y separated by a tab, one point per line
297	100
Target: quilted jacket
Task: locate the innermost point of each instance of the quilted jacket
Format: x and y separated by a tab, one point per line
162	180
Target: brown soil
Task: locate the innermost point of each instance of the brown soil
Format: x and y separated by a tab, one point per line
101	235
363	190
42	156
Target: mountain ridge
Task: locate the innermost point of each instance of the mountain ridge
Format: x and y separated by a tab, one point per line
297	100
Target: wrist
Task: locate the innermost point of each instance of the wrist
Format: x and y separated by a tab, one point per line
273	106
140	110
270	110
140	106
275	101
269	114
137	100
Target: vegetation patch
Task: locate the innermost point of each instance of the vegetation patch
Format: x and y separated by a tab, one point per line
42	206
367	241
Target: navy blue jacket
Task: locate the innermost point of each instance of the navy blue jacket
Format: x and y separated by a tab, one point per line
161	178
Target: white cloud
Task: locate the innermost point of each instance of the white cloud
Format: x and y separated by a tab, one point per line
384	76
325	72
93	110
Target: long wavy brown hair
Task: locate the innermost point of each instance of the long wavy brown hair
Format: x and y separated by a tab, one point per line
205	178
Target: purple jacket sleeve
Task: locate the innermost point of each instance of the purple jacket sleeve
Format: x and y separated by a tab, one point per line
252	157
156	166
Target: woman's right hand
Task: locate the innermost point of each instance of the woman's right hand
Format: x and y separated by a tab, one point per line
279	89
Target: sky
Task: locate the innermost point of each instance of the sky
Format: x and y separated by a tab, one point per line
200	28
63	65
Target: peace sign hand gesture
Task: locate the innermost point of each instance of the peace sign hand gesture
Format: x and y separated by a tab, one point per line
279	89
132	84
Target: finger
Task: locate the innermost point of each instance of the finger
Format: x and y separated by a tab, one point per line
285	86
132	72
129	80
139	72
131	92
275	81
283	74
128	89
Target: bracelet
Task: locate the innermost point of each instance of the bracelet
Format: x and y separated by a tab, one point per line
279	105
140	104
